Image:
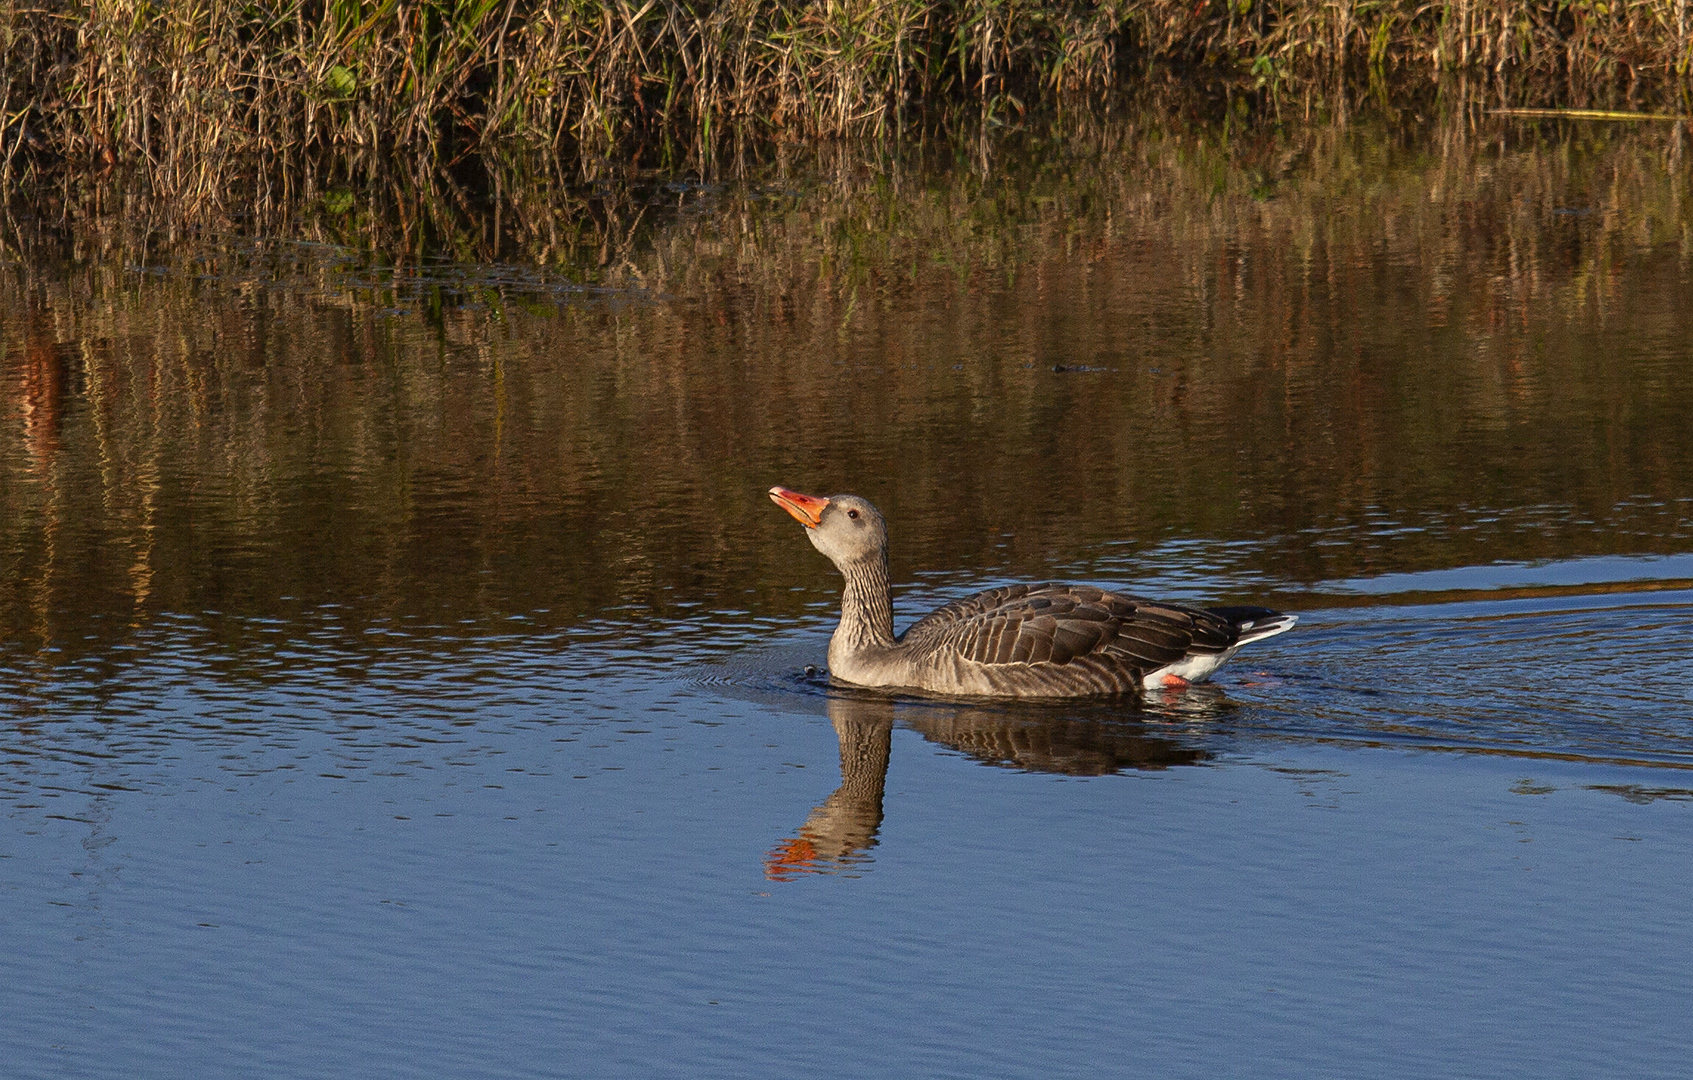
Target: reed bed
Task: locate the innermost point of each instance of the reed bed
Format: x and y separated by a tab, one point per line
218	105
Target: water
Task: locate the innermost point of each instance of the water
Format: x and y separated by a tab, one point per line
402	686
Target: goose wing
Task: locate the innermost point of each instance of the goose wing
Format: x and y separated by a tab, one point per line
1032	624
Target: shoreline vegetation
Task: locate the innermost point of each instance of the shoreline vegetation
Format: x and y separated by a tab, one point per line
203	112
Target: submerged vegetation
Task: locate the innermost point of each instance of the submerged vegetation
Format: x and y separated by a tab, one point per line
221	106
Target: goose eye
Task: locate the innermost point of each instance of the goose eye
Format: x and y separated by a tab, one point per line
852	513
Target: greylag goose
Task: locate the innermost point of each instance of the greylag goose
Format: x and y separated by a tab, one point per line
1020	641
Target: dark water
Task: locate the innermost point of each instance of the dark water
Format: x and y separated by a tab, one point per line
402	672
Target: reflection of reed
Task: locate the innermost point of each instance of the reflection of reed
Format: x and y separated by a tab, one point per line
41	392
841	831
1272	367
41	389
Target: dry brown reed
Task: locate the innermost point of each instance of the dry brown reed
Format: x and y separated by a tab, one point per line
219	105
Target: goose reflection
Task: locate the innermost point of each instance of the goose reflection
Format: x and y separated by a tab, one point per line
838	835
842	829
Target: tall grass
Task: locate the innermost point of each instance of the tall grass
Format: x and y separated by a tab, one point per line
219	102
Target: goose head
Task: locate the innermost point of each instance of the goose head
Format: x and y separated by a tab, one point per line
846	528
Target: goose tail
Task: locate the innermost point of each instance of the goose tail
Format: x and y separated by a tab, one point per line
1255	623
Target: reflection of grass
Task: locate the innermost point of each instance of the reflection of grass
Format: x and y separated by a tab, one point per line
217	102
1348	348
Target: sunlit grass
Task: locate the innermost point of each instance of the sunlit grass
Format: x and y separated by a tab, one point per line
218	104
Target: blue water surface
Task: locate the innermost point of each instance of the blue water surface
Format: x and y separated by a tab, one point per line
549	858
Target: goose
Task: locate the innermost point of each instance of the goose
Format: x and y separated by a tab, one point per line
1016	641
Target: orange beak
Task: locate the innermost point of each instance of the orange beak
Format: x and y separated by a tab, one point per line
806	509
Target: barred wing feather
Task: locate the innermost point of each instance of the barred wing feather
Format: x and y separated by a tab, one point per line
1032	624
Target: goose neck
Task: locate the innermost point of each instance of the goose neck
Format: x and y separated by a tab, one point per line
867	614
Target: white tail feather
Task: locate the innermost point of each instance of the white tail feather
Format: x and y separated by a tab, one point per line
1270	626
